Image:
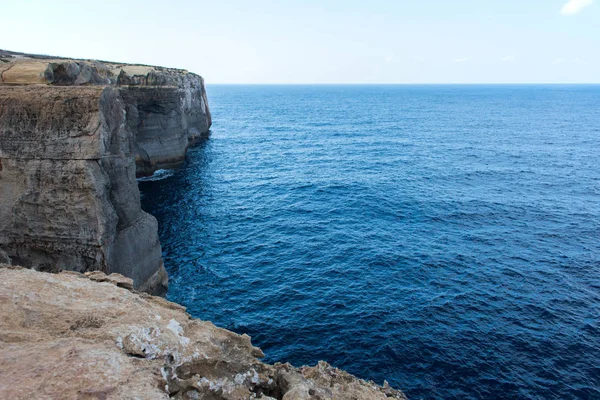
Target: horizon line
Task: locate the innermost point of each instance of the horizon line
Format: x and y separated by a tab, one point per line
397	83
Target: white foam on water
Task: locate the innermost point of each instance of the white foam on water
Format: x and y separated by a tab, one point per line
158	175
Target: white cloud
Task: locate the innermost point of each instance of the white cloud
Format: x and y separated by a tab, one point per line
509	58
575	6
558	61
461	60
389	58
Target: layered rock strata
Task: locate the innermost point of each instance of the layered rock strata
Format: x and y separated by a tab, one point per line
74	134
75	336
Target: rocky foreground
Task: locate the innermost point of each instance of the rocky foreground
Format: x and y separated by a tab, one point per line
76	336
74	134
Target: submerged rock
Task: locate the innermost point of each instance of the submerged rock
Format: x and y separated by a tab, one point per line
72	336
74	134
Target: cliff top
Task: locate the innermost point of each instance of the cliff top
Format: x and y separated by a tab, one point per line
29	69
71	335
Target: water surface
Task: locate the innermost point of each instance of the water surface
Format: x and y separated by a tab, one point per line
445	238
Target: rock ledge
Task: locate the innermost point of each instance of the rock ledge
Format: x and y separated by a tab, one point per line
72	336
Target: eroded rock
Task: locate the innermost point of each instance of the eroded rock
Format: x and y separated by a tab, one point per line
4	258
72	336
74	134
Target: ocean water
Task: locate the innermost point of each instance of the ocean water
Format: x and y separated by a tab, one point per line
445	238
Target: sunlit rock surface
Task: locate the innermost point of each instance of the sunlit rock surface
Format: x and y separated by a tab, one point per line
75	336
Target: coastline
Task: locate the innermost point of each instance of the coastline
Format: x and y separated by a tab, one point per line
74	136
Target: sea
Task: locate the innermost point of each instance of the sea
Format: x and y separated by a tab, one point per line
445	238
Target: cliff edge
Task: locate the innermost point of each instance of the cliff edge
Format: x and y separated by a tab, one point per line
75	336
74	134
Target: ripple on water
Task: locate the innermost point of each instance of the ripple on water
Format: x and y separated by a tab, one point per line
445	238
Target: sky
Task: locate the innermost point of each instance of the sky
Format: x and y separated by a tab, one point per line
335	41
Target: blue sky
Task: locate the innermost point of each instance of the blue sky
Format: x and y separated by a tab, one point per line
366	41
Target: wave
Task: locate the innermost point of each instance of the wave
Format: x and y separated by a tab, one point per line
159	175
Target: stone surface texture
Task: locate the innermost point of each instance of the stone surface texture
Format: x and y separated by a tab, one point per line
76	336
74	134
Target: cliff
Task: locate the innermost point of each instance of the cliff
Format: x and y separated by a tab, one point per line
74	336
74	134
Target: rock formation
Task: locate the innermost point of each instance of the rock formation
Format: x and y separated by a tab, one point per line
74	134
75	336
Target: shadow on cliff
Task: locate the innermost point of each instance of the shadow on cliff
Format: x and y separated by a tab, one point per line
175	198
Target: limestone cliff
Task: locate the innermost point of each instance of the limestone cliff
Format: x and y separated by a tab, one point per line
74	336
74	134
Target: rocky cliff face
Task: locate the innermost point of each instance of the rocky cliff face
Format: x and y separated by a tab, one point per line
74	336
74	135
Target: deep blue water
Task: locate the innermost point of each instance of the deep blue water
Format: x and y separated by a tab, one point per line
445	238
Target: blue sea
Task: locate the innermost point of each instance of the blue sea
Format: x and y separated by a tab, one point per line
444	238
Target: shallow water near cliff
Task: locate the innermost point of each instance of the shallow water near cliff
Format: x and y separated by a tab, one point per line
445	238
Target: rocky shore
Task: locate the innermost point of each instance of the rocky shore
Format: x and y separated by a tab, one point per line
76	336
